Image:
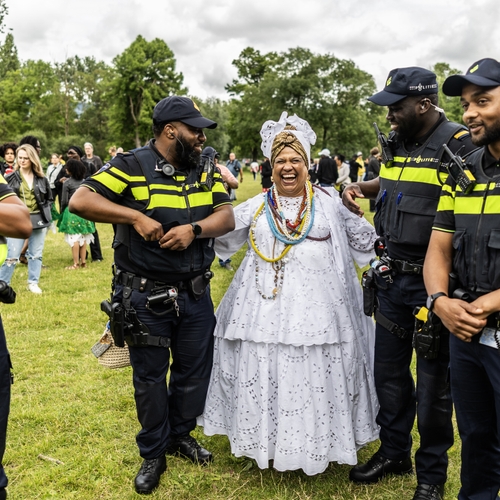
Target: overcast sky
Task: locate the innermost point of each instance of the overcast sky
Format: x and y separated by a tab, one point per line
206	36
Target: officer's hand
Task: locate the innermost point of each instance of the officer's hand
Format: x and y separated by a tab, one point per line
459	317
178	238
149	229
489	303
351	192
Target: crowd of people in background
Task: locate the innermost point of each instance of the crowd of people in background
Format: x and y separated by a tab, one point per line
46	191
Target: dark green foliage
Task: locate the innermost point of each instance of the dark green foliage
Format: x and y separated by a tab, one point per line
144	74
330	93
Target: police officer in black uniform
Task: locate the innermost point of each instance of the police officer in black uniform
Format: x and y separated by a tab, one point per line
466	239
14	222
407	193
167	211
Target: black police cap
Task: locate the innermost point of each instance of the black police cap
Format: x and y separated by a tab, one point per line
483	73
405	82
181	109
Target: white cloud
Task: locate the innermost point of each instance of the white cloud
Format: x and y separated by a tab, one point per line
206	36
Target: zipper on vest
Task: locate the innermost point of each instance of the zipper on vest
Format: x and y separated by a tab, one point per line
478	228
188	206
391	201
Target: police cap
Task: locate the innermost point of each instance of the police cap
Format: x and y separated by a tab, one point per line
484	73
405	82
181	109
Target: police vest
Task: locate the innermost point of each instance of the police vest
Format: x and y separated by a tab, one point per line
172	200
476	241
409	194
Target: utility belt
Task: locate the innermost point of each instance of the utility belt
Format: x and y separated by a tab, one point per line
125	326
406	266
382	270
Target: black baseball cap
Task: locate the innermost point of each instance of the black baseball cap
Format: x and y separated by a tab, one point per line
181	109
484	73
405	82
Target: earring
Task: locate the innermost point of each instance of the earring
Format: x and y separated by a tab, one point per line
272	178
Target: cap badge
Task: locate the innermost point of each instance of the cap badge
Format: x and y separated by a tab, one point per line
195	106
389	81
474	68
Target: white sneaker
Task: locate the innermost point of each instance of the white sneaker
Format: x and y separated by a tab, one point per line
34	288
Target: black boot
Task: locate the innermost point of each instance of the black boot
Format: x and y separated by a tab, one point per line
187	446
149	474
378	467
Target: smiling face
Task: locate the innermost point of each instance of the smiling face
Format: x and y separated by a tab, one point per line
403	118
289	173
188	143
481	107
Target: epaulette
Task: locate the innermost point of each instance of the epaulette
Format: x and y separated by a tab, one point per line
461	134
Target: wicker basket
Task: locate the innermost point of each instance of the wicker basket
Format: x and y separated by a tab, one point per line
113	357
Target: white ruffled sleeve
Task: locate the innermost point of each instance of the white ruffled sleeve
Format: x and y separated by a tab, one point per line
361	236
230	243
353	233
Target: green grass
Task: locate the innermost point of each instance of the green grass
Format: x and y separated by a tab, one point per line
67	407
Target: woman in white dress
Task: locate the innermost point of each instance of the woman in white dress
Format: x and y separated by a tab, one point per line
292	379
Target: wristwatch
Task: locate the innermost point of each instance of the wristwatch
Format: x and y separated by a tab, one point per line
196	229
431	299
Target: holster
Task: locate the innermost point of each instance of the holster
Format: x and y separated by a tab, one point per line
427	333
368	284
198	285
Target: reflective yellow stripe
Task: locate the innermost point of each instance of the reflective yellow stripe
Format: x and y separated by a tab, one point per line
167	200
122	174
443	230
445	203
448	189
492	205
479	189
162	200
468	205
201	199
111	182
413	174
140	192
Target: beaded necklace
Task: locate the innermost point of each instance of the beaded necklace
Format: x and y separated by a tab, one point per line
289	233
283	229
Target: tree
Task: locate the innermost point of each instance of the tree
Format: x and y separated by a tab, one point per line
330	93
3	12
145	74
9	61
216	110
451	105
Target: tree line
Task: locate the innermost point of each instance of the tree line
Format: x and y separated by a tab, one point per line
82	99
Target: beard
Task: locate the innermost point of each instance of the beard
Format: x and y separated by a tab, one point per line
186	155
490	135
408	127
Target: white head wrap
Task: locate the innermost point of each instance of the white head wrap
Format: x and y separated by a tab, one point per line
271	129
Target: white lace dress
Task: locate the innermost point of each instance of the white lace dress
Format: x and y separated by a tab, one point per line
292	379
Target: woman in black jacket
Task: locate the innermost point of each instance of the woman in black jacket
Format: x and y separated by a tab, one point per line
33	188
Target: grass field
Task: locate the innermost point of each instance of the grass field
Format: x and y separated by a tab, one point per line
68	408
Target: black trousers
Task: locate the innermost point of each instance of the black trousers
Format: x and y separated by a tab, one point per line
475	385
166	412
399	400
